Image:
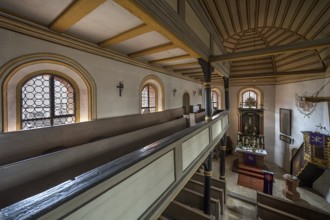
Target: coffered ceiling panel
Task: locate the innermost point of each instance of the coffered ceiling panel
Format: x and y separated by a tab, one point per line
106	21
39	11
165	54
143	41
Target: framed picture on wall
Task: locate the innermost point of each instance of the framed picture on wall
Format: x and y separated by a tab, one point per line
285	121
285	138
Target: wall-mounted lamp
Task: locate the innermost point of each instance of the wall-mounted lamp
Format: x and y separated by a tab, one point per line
194	92
120	86
174	91
200	91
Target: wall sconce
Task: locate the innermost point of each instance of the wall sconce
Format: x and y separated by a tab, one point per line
120	86
200	91
194	92
174	91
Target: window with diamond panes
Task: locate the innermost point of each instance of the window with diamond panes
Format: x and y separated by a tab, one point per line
214	97
249	99
47	100
148	99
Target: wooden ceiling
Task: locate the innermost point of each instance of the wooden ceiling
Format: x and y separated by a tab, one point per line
244	25
241	25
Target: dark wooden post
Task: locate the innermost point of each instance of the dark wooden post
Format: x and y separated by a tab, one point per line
226	85
207	70
223	144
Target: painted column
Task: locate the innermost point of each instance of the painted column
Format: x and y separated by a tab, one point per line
223	144
207	70
226	85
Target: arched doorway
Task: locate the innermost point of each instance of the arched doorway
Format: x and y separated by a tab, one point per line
185	103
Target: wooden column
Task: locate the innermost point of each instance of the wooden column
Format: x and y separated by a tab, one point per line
207	70
223	144
226	85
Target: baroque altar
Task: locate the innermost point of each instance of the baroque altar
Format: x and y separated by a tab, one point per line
251	128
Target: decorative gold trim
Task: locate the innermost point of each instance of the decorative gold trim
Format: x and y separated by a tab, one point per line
208	173
40	72
223	148
162	92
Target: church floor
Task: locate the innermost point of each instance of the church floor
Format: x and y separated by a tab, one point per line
241	200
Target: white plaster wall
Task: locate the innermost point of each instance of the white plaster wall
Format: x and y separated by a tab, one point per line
106	72
285	98
269	117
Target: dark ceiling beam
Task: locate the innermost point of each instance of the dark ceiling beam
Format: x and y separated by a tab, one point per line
307	45
274	74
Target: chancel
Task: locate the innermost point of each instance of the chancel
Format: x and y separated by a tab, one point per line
173	109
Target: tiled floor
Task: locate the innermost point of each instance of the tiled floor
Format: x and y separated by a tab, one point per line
236	207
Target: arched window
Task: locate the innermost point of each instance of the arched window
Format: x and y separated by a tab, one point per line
250	99
149	99
215	99
47	100
152	94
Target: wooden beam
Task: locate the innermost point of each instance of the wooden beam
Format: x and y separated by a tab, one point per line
183	65
274	74
152	50
188	70
289	48
135	9
136	31
74	13
193	73
181	57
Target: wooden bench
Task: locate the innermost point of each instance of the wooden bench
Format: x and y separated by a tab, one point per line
196	200
217	183
270	207
216	193
179	211
20	145
17	182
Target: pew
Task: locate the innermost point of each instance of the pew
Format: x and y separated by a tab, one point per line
270	207
217	183
18	145
216	193
179	211
196	200
17	182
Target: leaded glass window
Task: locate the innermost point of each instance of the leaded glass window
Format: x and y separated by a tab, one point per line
47	100
149	97
249	99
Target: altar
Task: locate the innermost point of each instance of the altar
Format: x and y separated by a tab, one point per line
250	156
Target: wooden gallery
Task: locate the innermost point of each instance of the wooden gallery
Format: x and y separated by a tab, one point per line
165	109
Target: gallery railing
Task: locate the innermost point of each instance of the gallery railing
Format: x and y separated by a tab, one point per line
139	185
